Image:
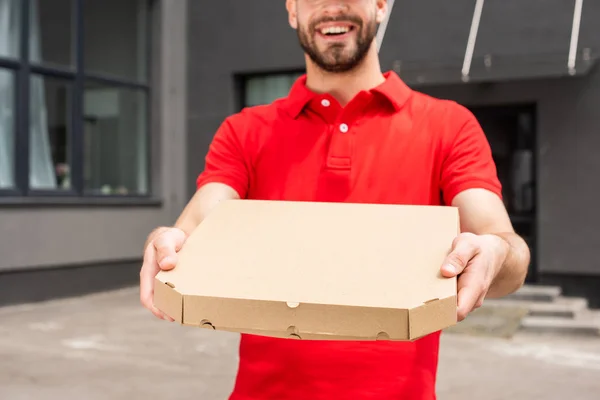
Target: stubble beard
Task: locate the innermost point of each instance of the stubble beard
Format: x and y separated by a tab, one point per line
336	58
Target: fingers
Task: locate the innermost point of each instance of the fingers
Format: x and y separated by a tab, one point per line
479	302
467	298
167	245
147	274
161	315
472	289
463	251
468	302
163	248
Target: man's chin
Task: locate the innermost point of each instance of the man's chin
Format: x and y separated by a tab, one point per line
337	64
333	59
337	67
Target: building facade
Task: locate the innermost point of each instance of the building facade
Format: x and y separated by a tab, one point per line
92	140
107	123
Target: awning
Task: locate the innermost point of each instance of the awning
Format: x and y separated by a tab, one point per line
496	68
503	40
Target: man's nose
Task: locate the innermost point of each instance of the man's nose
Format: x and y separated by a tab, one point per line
334	7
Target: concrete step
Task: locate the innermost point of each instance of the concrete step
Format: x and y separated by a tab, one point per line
536	293
560	307
586	326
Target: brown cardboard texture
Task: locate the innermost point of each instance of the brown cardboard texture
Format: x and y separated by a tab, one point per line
309	270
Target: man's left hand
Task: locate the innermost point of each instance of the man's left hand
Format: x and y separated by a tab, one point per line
476	260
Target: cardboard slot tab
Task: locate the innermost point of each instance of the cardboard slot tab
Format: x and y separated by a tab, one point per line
293	333
383	336
169	284
292	304
206	324
431	301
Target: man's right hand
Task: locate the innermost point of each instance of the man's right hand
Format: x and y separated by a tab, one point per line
163	244
160	253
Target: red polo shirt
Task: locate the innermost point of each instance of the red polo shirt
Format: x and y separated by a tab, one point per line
388	145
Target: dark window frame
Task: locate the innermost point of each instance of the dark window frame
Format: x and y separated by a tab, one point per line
76	77
241	81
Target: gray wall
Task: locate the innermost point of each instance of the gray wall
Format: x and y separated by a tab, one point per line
61	235
243	37
230	37
523	33
568	138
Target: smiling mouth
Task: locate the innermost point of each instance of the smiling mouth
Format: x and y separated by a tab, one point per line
335	30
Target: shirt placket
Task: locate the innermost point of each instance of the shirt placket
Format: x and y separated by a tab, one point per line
335	182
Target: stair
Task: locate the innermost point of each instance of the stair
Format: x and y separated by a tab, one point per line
548	311
560	307
559	325
536	293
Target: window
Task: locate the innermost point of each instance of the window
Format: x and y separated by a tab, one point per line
74	97
7	128
264	89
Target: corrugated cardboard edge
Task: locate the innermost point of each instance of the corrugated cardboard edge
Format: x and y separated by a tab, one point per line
435	315
168	300
309	336
278	319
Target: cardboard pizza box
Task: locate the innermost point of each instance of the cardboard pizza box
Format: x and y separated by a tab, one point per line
306	270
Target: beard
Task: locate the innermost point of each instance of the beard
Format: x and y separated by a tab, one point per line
338	57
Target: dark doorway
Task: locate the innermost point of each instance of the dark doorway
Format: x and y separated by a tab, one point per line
511	132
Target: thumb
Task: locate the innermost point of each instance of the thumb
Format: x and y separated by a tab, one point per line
459	257
167	245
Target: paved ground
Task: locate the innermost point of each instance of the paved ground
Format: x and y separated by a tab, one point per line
107	347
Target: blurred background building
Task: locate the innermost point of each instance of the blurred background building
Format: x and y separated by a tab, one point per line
107	108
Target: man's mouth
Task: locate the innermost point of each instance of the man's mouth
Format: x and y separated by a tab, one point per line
335	30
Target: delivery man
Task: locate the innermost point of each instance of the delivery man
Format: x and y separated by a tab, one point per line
349	133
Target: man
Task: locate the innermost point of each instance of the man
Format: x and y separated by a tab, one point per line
349	133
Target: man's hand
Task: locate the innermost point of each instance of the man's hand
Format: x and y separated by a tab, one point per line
163	244
489	258
477	261
160	254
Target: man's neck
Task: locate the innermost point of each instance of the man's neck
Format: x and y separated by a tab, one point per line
344	86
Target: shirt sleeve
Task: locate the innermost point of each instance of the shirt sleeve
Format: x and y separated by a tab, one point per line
467	161
226	161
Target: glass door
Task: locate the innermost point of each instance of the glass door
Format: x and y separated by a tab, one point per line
511	132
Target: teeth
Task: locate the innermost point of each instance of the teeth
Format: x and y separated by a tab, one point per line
335	30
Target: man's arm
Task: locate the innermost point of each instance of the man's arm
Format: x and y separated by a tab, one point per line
225	177
202	203
162	245
483	213
488	257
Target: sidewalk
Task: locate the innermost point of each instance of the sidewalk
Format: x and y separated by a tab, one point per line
107	347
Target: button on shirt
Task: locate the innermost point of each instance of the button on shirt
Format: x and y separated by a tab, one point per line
389	145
